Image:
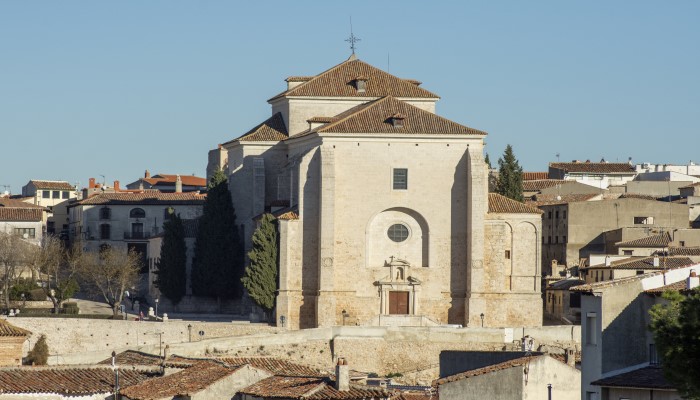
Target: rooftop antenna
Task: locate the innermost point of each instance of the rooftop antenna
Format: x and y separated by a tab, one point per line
352	39
7	189
557	157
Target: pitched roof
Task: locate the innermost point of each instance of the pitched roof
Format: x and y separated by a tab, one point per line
684	251
645	263
275	366
649	377
338	82
182	383
517	362
187	180
532	176
539	184
311	388
680	286
565	284
150	197
593	167
7	329
661	240
553	199
133	357
375	117
55	185
591	287
499	204
272	129
17	210
67	381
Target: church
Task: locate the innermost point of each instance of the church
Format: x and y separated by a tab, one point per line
383	210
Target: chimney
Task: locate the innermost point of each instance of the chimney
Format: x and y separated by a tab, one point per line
178	184
342	375
693	280
656	262
116	186
91	183
570	357
607	261
147	174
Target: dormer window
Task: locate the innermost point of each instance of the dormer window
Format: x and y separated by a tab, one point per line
397	120
361	84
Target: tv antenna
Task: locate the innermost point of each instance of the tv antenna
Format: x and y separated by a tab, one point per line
7	189
557	157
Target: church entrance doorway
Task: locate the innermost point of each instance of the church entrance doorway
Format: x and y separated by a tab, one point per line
398	303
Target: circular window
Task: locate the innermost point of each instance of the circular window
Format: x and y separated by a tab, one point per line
398	232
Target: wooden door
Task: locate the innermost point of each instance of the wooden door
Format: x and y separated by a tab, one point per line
398	303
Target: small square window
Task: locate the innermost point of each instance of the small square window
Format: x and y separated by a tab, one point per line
400	179
65	195
507	254
46	194
56	194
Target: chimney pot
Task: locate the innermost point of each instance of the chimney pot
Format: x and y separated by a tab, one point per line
116	186
147	174
570	357
693	280
178	184
91	183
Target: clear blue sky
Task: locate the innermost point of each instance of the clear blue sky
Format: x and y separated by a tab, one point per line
90	88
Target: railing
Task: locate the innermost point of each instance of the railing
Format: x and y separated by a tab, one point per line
136	235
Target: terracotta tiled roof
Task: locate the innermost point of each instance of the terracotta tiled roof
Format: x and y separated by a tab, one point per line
375	117
182	383
518	362
187	180
16	203
338	82
270	130
275	366
20	214
661	240
299	78
7	329
565	284
55	185
499	204
312	388
645	263
590	287
323	120
553	199
151	197
592	167
535	176
67	381
680	286
533	185
684	251
416	396
650	377
289	215
133	357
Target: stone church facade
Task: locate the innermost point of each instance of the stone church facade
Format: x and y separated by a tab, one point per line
382	207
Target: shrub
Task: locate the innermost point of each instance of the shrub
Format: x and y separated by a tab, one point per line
71	308
23	286
39	355
37	294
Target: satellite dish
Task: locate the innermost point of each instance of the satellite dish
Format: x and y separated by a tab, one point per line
26	236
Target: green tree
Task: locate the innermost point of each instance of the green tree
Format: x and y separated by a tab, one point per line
218	264
487	160
260	278
510	176
39	354
172	266
675	326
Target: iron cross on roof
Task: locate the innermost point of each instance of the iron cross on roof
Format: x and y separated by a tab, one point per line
352	39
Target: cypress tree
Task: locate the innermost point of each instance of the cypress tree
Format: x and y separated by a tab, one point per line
487	160
510	176
172	267
218	264
260	278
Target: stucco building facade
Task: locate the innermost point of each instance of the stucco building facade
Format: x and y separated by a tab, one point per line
383	207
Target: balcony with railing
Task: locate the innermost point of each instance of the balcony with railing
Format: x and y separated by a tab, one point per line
134	235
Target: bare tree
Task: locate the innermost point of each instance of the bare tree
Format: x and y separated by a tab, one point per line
14	252
108	273
56	269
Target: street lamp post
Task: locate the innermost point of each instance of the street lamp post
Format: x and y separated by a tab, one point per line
549	391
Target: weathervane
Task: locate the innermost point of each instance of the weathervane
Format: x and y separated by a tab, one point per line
352	39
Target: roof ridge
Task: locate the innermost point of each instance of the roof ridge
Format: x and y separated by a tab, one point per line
313	77
361	108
